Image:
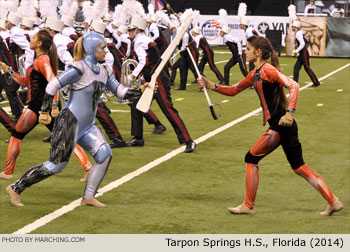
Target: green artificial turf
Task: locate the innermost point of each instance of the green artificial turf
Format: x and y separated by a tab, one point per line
190	193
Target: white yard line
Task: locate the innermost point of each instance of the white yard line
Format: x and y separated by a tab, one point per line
71	206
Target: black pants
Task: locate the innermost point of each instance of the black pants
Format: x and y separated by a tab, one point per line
6	120
11	93
303	60
174	68
163	98
185	64
107	121
233	61
209	58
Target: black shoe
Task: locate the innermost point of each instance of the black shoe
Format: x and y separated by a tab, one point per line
159	129
7	140
47	139
117	143
180	88
194	82
2	98
315	85
221	82
135	143
200	90
190	147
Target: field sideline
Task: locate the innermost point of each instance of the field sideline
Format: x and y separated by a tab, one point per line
189	193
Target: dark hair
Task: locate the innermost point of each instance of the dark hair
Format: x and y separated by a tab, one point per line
49	47
267	51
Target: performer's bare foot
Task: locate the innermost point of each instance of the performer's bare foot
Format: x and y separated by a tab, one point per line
86	175
15	198
332	209
242	209
92	202
4	176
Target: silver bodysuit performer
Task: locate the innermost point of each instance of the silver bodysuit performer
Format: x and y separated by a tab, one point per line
76	122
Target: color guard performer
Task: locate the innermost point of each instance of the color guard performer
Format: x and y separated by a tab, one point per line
269	82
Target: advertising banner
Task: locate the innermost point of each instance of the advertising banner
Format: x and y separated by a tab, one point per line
211	27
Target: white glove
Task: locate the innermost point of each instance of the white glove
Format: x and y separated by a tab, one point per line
294	51
130	80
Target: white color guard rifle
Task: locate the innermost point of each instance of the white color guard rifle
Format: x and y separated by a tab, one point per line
146	98
204	89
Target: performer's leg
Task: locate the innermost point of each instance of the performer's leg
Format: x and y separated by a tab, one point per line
306	63
297	67
227	68
62	145
267	143
163	98
202	63
293	151
14	100
6	120
242	66
213	67
26	122
136	126
183	65
95	143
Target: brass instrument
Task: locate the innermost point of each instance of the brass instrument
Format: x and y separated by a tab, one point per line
128	66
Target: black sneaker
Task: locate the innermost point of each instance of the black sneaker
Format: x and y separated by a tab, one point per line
135	143
190	147
180	88
159	129
117	143
194	82
315	85
47	139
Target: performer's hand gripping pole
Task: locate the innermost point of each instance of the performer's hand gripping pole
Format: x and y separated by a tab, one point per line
204	89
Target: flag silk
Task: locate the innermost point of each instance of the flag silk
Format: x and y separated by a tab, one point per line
158	5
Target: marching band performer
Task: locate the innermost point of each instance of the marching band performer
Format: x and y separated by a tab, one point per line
235	47
76	122
303	57
186	63
208	57
68	30
268	82
9	86
148	54
249	31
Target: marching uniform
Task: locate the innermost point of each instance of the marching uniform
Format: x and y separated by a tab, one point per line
10	86
148	55
303	59
208	57
71	33
186	62
234	45
65	50
157	36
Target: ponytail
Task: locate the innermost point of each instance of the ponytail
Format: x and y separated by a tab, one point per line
79	52
49	47
274	60
53	58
